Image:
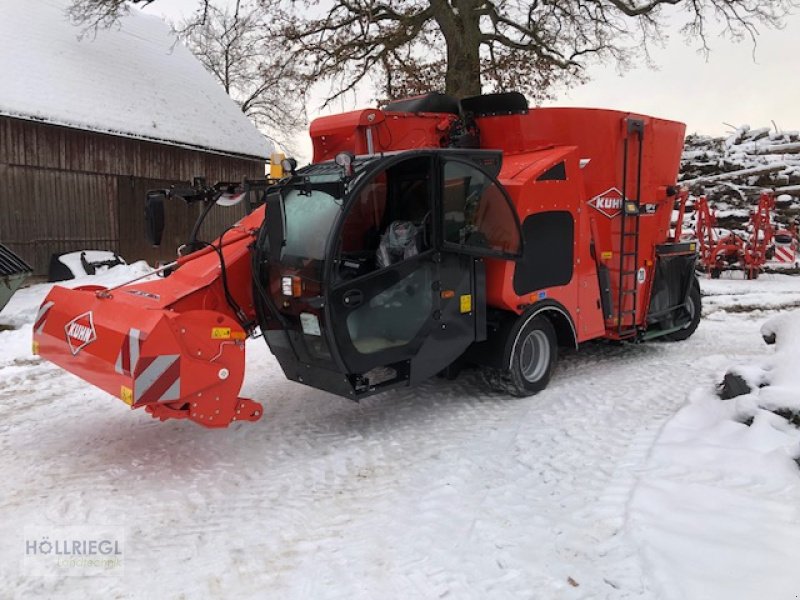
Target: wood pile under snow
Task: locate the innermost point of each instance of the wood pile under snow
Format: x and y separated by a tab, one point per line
733	171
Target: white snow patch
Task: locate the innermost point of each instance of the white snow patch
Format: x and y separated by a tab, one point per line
72	261
21	309
717	511
134	79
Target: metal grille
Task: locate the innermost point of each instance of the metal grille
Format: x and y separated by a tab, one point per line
11	264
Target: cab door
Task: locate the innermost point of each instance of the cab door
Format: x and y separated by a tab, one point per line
475	220
414	306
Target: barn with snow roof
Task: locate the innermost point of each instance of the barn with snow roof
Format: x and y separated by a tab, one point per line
89	121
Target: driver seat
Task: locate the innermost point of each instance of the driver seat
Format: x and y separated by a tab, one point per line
399	242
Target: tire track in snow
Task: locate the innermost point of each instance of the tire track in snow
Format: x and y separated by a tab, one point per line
443	490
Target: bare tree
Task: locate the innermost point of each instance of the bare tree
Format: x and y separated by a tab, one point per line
237	46
470	46
466	47
101	13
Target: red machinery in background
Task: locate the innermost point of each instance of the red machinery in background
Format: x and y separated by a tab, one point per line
723	250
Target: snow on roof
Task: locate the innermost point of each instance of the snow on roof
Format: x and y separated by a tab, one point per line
133	79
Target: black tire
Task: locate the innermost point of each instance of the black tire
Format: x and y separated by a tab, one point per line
695	307
533	360
715	273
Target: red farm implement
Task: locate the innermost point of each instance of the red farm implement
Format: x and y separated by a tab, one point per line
428	236
722	250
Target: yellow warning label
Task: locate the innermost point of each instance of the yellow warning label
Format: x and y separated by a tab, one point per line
692	247
35	347
126	395
220	333
606	255
466	303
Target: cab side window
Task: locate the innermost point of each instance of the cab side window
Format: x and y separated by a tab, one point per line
389	221
475	211
362	227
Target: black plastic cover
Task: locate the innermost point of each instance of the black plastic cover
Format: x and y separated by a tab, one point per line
671	284
434	102
557	172
547	260
487	105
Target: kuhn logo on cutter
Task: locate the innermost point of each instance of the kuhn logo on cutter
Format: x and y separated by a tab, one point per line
80	332
609	202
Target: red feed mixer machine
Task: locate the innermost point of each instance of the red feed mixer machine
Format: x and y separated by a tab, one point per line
429	235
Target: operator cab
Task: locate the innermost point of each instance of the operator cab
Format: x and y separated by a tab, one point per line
376	278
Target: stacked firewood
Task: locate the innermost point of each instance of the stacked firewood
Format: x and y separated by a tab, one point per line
732	171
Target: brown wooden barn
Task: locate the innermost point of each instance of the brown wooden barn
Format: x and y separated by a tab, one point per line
89	124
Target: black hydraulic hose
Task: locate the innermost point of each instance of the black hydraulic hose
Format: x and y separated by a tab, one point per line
208	205
241	317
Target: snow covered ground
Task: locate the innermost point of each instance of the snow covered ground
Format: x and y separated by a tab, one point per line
626	478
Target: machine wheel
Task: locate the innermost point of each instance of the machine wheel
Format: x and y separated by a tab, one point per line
716	272
533	361
694	305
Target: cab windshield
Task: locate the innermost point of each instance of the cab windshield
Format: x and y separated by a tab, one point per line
310	208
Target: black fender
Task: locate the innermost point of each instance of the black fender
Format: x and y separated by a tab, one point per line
505	327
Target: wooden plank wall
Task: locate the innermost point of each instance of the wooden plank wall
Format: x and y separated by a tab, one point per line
64	189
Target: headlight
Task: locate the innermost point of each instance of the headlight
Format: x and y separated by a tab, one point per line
286	286
291	286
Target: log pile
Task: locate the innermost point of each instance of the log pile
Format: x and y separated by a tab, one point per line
732	172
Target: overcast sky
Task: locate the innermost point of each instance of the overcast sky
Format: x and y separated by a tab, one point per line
736	85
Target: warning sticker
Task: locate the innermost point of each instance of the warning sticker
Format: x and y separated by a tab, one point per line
126	395
220	333
466	303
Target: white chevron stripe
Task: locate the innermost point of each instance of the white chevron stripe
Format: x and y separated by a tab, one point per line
150	375
43	309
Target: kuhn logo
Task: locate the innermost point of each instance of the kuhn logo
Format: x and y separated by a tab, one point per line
609	202
80	332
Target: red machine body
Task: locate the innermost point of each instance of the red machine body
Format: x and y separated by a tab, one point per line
591	144
597	185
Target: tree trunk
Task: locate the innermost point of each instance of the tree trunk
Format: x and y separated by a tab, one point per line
461	29
463	76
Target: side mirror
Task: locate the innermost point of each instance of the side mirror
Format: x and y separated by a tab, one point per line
154	216
275	223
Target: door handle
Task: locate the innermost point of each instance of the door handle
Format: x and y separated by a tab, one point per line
353	298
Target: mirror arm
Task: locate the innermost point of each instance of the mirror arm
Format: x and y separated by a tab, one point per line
208	204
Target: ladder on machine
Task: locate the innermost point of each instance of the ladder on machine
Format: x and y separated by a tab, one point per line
628	288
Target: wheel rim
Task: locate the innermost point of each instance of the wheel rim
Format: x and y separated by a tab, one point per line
690	309
534	356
